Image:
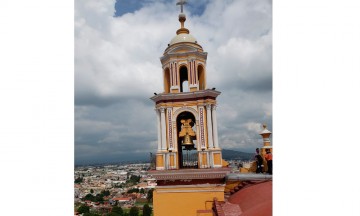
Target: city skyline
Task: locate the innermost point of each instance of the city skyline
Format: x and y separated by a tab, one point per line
117	70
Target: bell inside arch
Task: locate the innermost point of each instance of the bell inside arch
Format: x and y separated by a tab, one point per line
188	142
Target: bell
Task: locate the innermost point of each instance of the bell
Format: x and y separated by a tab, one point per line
188	142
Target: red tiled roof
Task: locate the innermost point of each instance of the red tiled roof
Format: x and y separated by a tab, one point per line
254	200
122	199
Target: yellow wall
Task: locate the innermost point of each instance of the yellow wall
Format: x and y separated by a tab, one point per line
217	159
159	161
172	160
185	201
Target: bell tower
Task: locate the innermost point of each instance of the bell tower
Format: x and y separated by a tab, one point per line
186	109
189	165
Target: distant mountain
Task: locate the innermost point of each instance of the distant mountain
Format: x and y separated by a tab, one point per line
236	155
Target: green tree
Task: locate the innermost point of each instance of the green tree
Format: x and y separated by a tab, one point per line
149	196
117	210
105	192
146	210
142	191
91	191
78	180
90	214
83	209
134	211
113	214
133	190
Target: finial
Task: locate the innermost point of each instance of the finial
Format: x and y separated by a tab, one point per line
181	3
264	125
182	19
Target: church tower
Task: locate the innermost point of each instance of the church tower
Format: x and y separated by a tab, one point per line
186	110
189	165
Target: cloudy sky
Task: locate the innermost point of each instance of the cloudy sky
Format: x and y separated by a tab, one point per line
117	69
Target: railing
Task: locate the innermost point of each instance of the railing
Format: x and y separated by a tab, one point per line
189	159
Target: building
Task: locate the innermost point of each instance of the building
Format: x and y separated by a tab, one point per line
189	165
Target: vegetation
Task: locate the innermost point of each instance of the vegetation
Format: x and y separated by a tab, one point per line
105	192
142	191
117	210
78	180
97	198
91	214
133	190
83	209
149	196
147	210
134	211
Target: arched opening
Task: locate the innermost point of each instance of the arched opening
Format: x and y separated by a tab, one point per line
186	125
201	76
167	80
184	78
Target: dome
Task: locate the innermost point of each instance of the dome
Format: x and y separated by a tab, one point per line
183	38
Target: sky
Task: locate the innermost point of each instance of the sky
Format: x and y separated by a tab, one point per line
117	69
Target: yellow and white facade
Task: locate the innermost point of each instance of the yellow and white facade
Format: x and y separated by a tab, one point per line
187	128
186	98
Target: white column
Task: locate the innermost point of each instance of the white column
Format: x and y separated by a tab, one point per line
163	129
158	128
215	132
209	125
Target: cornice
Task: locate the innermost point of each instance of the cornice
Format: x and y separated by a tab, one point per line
195	95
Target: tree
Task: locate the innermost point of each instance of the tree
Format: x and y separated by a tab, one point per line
83	209
149	196
90	214
117	210
134	211
133	190
78	180
91	191
105	192
113	214
142	191
146	210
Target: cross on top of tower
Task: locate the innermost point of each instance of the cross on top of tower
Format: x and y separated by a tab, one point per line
181	3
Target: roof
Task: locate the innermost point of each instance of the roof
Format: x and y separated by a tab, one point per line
254	200
183	38
122	198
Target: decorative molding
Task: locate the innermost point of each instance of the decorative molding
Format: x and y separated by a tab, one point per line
170	128
202	132
185	108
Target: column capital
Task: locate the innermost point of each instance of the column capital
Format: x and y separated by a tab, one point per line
214	107
208	106
162	109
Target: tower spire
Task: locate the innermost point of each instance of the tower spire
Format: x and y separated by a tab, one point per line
182	19
181	3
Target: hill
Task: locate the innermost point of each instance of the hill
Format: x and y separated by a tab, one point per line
236	155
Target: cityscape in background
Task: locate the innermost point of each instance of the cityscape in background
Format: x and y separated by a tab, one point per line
108	189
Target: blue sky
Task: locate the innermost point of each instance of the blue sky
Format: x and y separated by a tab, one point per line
126	6
117	69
